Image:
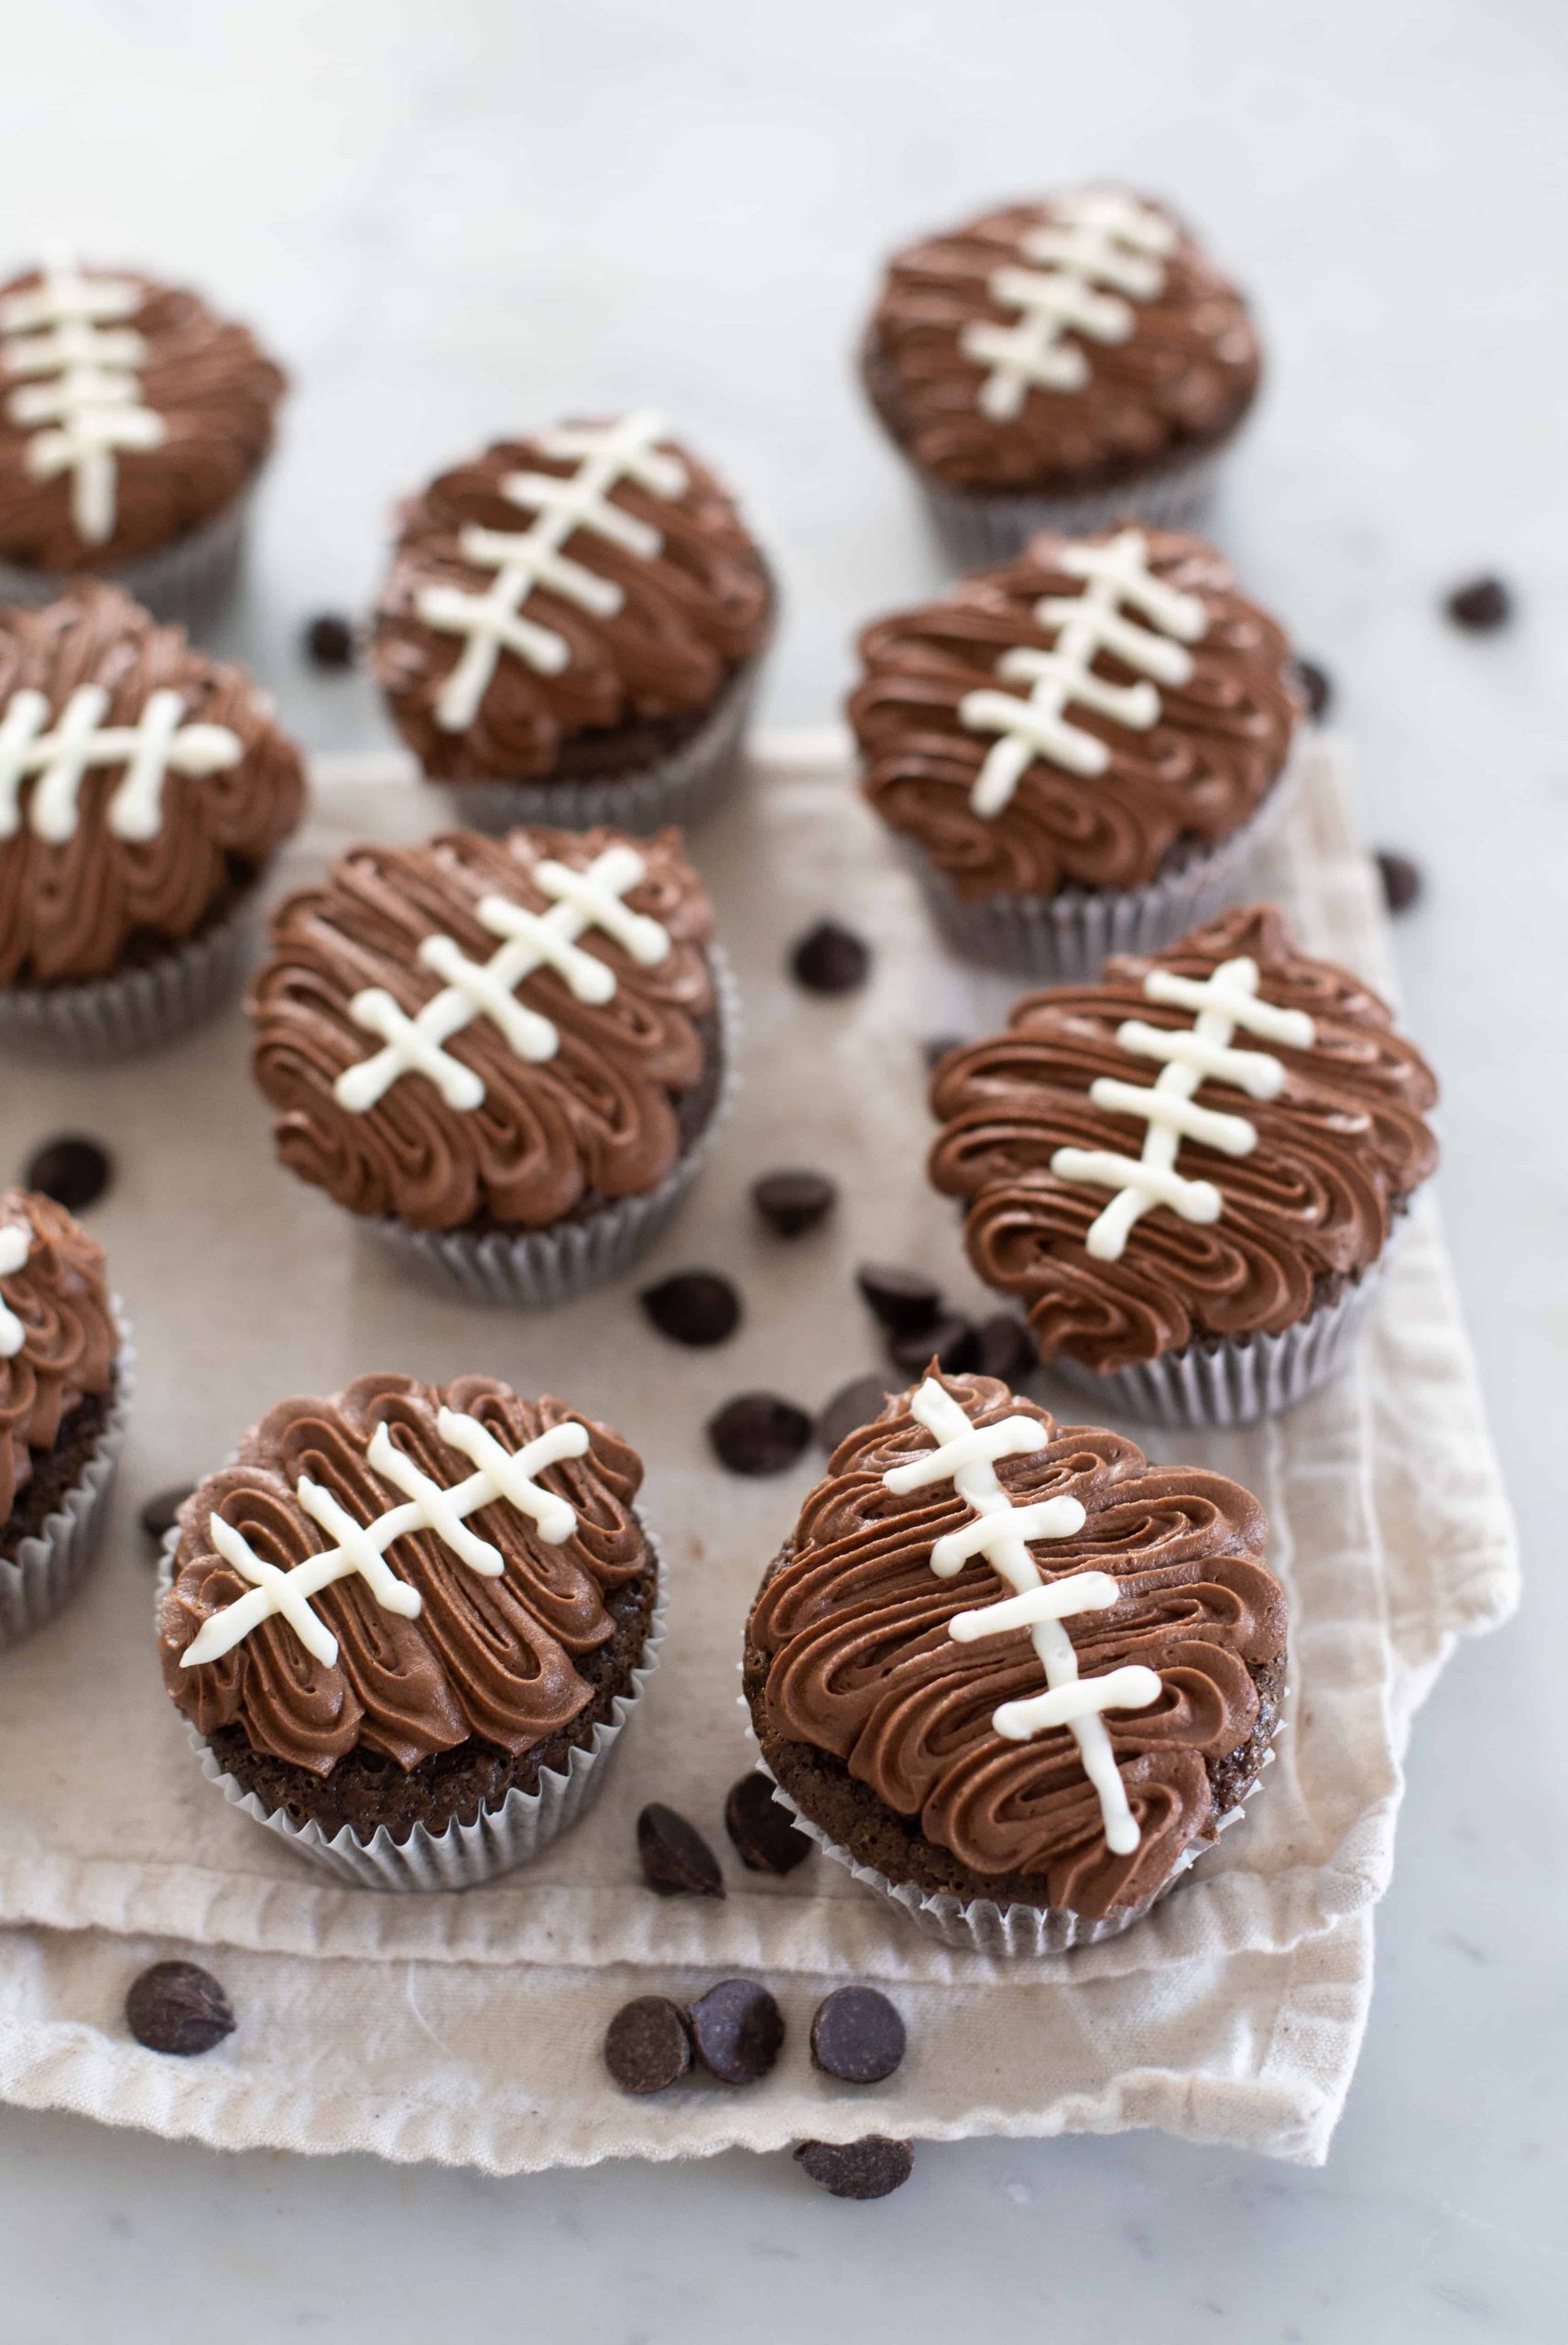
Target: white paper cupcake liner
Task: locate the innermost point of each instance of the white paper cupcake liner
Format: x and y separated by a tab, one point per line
683	788
978	530
106	1017
189	581
47	1568
536	1269
464	1854
1241	1379
1065	939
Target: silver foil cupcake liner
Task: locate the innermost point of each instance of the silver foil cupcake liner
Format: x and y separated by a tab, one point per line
463	1856
977	531
682	788
190	580
1243	1378
536	1268
106	1017
47	1568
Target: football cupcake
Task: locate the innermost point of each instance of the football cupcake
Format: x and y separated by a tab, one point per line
64	1388
143	790
1189	1172
133	424
1079	751
571	629
1009	1673
1058	364
405	1624
505	1055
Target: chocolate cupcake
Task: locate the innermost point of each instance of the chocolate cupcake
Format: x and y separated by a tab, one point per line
1060	365
133	424
407	1622
64	1389
1189	1172
143	790
571	629
1012	1674
505	1054
1080	750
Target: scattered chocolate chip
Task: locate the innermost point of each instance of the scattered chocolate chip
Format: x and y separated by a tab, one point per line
1480	605
855	1404
1315	684
765	1839
694	1307
757	1433
737	2028
647	2046
74	1172
939	1046
1401	880
865	2169
857	2036
902	1300
830	959
953	1342
1007	1348
329	641
676	1861
791	1202
177	2007
159	1514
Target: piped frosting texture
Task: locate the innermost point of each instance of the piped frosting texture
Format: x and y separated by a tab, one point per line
58	1342
874	1653
1279	1174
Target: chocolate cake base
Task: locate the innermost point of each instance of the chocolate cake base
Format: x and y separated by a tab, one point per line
56	1470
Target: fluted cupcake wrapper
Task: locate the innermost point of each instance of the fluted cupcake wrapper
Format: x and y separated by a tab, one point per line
533	1270
682	788
48	1567
463	1856
106	1017
189	581
977	531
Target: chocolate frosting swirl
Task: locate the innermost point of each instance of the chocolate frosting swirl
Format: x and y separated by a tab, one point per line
68	911
69	1343
1339	1149
1184	377
217	393
599	1119
690	619
1220	743
492	1658
853	1627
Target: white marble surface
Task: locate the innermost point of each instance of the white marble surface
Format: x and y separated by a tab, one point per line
450	218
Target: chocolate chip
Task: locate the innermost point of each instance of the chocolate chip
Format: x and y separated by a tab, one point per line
737	2028
1317	687
1007	1348
1401	880
830	959
1480	605
329	641
676	1861
864	2169
939	1046
695	1307
647	2046
160	1512
177	2007
74	1172
855	1404
757	1433
902	1300
857	2036
765	1839
953	1342
791	1202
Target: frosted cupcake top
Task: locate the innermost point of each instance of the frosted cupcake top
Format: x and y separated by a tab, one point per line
58	1341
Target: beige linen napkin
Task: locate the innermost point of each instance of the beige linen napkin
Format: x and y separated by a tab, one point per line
468	2028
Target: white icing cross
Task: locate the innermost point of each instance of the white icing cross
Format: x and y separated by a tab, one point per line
16	1245
64	330
158	744
583	899
362	1547
1221	1002
966	1456
1087	624
494	621
1097	240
